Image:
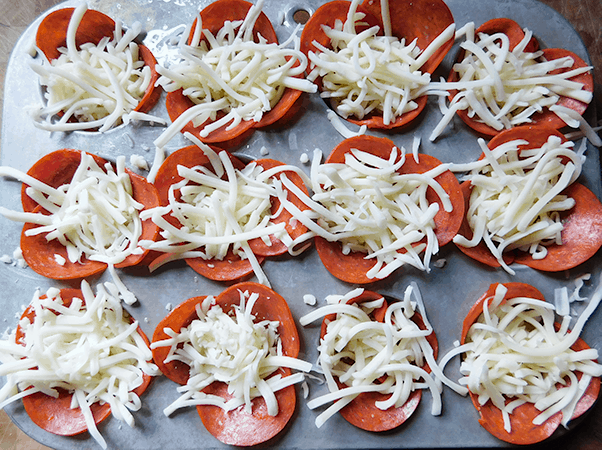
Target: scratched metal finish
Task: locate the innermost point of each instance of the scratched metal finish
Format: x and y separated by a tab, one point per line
448	291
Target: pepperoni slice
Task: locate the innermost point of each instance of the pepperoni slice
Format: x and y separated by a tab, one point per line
580	236
549	118
480	252
362	411
523	431
232	267
56	169
294	228
52	34
213	18
515	34
55	415
237	427
422	20
352	267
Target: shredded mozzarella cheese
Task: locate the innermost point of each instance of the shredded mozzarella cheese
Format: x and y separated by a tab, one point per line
363	73
503	88
232	74
89	348
356	351
95	86
233	349
514	352
219	215
94	215
516	201
368	207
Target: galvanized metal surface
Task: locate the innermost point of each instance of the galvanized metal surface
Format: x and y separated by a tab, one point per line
448	291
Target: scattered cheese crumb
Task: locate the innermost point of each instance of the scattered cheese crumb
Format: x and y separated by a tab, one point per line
18	259
59	259
139	162
440	263
309	299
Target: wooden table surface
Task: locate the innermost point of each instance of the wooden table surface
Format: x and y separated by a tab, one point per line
584	15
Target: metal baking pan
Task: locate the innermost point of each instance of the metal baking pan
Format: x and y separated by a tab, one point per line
448	291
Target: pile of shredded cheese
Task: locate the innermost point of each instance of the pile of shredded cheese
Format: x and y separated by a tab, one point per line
94	216
516	199
358	351
219	214
233	349
363	73
514	352
95	86
368	207
232	74
503	88
89	348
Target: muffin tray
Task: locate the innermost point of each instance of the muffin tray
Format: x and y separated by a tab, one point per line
448	291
